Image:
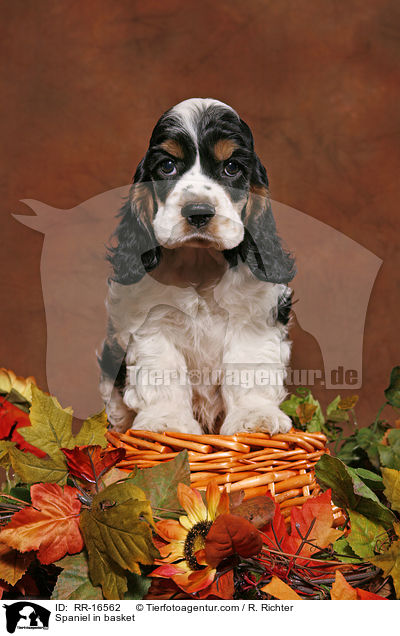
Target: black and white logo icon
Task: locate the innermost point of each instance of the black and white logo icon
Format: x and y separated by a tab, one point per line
26	615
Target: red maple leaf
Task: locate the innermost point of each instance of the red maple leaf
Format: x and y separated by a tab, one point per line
50	525
90	463
12	418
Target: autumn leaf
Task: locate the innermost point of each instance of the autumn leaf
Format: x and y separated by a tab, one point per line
90	463
347	403
13	564
311	523
74	582
4	587
93	431
12	419
364	535
222	587
160	484
51	425
316	514
343	591
117	536
389	562
228	535
50	525
391	480
32	469
305	412
280	590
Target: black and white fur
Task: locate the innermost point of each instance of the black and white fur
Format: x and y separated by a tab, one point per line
199	281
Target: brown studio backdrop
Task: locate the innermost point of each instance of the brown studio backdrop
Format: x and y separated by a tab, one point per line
317	81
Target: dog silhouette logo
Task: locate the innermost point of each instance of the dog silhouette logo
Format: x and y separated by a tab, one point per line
26	615
333	285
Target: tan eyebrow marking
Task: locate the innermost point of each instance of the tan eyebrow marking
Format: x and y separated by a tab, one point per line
173	148
224	148
260	190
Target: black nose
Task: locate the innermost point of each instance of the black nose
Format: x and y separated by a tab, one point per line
198	214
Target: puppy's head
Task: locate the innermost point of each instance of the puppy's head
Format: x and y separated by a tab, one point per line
201	185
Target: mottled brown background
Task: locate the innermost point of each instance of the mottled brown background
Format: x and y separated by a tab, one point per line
317	80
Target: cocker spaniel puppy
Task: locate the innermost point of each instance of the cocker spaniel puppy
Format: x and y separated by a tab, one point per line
198	304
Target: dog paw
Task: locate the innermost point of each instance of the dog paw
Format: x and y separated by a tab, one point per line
153	419
268	420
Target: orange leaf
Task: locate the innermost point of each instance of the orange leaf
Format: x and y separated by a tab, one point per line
317	511
341	590
50	525
230	534
280	590
223	587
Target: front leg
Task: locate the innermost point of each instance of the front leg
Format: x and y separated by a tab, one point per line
253	385
156	386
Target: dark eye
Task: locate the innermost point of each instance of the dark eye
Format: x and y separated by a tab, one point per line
168	166
232	168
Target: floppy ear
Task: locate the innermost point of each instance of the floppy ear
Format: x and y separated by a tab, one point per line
261	247
137	250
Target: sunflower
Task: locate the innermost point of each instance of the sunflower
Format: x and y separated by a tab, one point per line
183	555
9	381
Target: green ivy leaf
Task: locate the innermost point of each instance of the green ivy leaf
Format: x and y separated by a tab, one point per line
334	414
390	453
364	535
290	405
160	484
117	536
349	491
392	393
372	480
74	582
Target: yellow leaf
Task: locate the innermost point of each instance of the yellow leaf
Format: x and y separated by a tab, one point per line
51	426
389	562
93	431
32	469
391	480
280	590
341	590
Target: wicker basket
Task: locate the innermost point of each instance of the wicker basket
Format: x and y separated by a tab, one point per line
253	462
